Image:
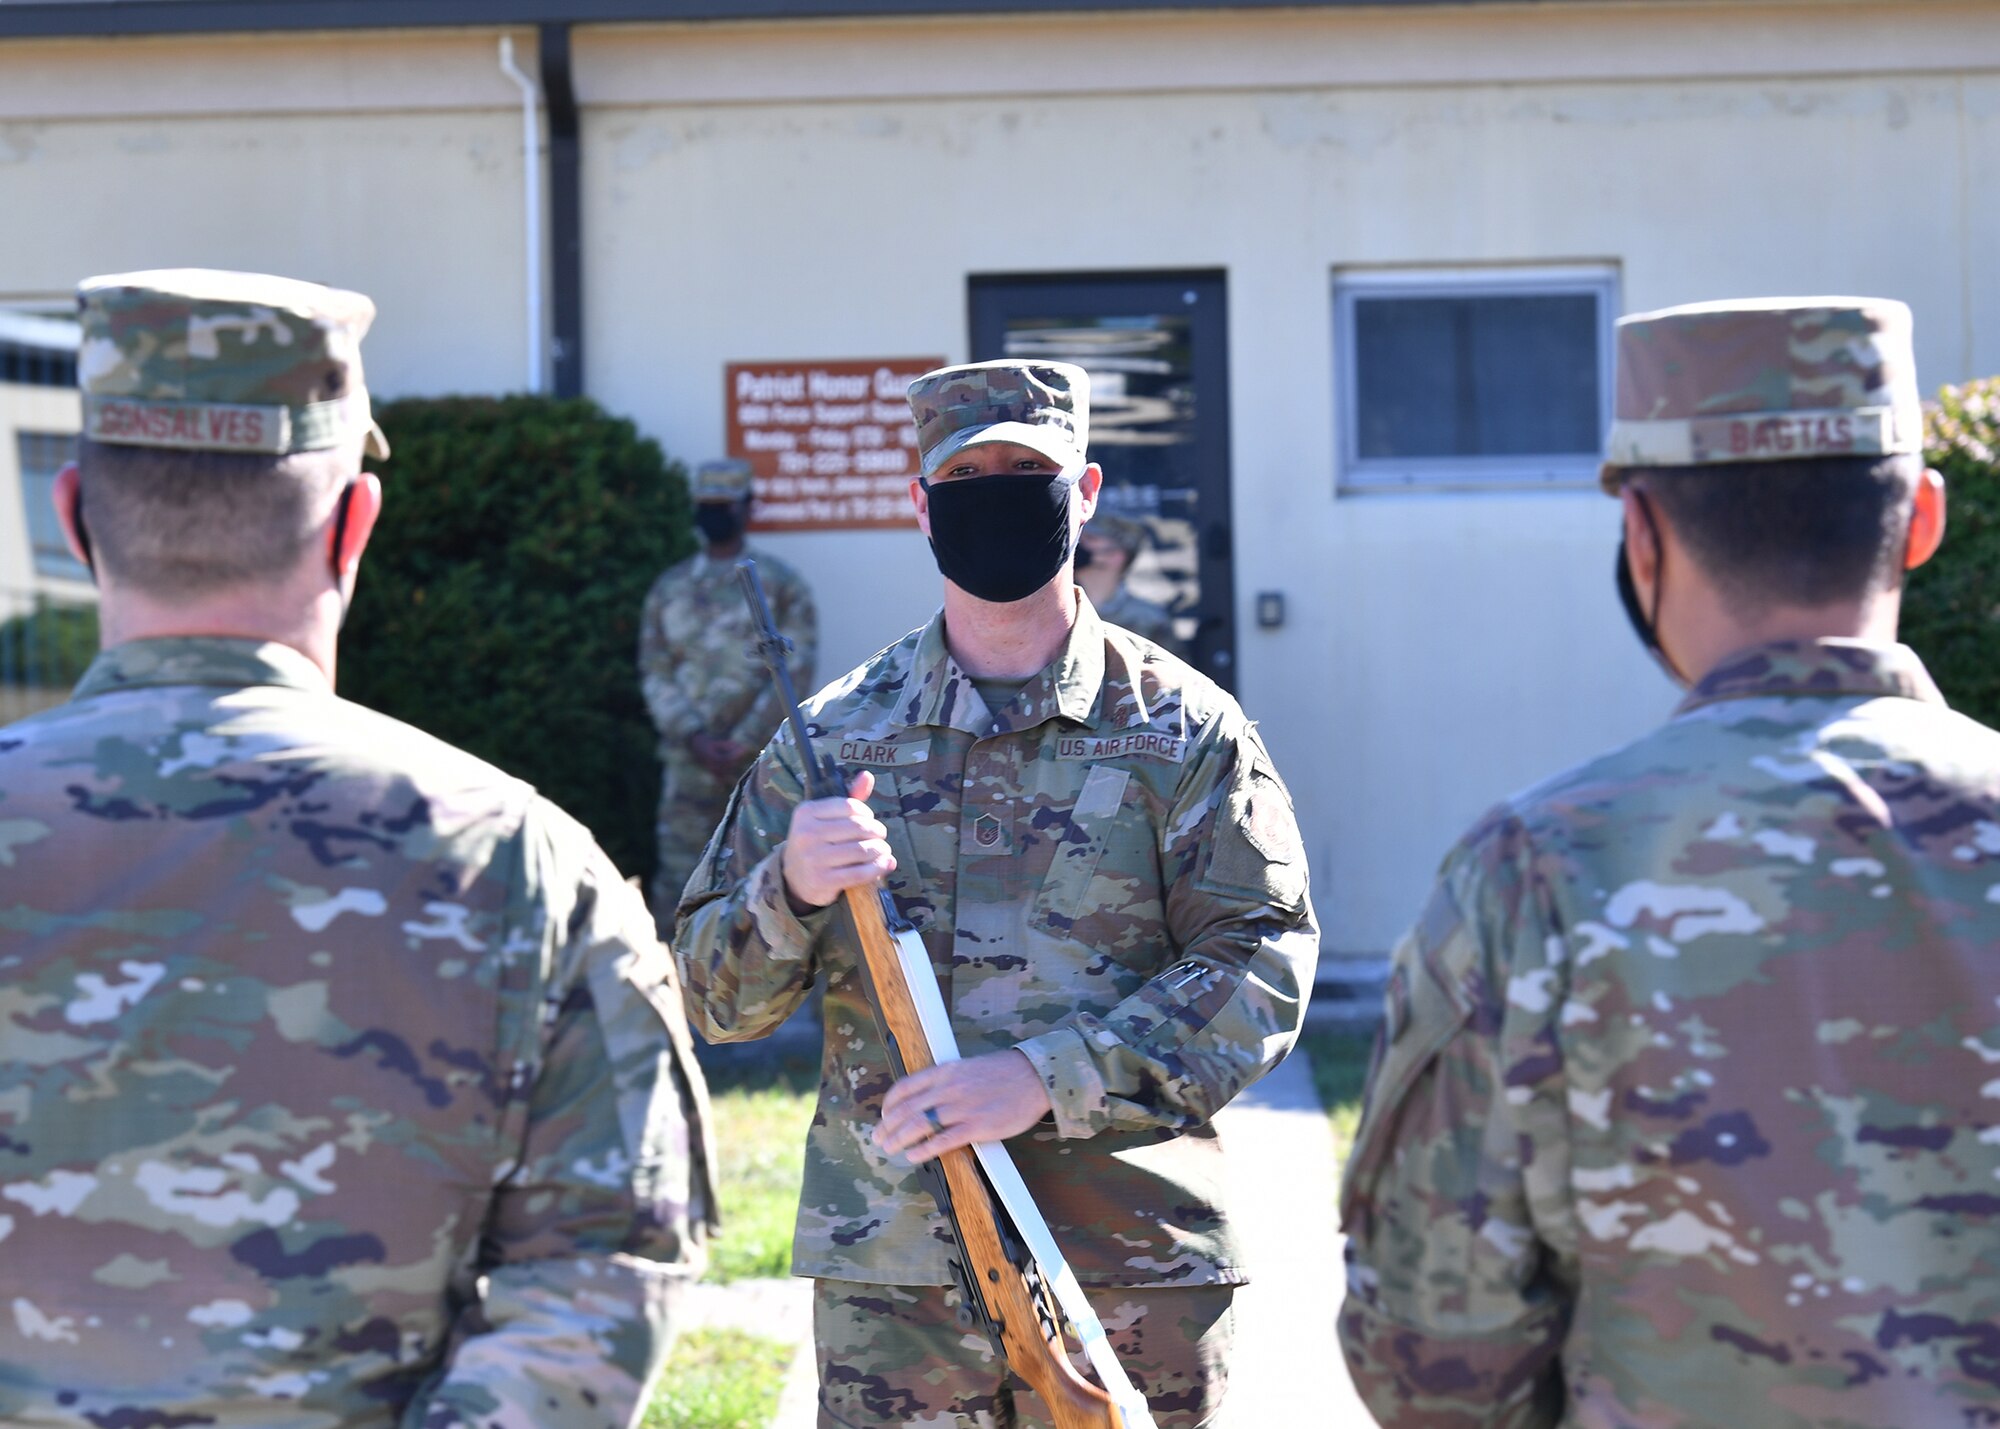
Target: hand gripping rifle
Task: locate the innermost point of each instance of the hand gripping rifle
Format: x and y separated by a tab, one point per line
1012	1280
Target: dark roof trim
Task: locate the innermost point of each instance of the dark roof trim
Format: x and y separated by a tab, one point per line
180	17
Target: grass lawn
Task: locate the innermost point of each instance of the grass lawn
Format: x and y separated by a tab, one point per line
719	1379
728	1379
762	1110
1340	1068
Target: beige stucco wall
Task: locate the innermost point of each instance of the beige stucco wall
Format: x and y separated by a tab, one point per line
1442	649
386	163
824	191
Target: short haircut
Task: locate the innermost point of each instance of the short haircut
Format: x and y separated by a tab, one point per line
189	523
1813	532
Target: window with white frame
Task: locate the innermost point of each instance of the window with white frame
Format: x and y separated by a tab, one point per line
1473	378
43	454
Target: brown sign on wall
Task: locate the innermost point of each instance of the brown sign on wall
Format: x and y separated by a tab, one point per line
831	442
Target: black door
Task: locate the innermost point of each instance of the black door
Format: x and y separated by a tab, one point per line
1155	347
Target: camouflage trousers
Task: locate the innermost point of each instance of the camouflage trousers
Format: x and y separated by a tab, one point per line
691	805
896	1354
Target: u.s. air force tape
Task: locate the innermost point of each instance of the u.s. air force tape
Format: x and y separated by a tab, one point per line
214	426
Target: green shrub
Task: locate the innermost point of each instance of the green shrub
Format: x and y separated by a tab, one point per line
498	606
50	646
1951	608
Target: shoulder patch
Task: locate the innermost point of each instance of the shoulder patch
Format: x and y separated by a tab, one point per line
1268	820
1254	847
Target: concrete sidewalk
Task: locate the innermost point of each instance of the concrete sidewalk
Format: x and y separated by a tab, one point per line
1288	1370
1283	1187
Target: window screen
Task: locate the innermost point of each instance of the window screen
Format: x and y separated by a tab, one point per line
1456	381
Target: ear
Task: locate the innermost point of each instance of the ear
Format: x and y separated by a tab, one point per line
920	499
364	508
1642	553
1926	520
67	497
1087	487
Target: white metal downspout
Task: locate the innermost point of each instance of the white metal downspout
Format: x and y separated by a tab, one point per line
531	166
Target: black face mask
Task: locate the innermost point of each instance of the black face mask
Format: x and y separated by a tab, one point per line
720	524
1643	625
1001	538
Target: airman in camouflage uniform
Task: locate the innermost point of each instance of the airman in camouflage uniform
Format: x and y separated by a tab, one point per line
343	1082
1685	1110
1106	870
1113	543
708	698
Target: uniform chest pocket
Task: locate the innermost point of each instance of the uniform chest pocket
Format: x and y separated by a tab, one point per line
906	884
695	618
1080	838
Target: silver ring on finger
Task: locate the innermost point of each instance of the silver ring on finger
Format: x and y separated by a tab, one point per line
931	1116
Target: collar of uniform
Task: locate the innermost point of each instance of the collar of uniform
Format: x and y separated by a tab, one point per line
200	660
1820	668
937	692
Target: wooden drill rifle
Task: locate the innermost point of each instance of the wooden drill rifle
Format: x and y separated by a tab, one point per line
1012	1280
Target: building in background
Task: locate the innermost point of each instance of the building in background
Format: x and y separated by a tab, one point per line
39	416
47	624
1345	273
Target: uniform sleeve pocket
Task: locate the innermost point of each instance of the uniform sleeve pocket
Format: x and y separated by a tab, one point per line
1080	841
1254	849
1427	1004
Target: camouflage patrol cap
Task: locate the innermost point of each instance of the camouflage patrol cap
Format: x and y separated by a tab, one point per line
1764	379
200	359
1129	535
724	480
1044	406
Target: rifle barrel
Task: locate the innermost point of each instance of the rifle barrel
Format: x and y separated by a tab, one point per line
820	782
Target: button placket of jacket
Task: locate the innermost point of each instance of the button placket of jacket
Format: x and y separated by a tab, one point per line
979	919
986	820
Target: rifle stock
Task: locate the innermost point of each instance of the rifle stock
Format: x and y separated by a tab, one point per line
1018	1313
1000	1282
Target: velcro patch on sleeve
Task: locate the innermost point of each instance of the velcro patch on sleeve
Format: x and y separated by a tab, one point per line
1254	847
